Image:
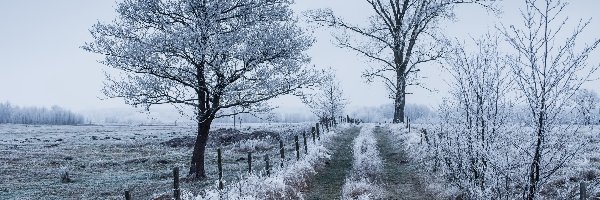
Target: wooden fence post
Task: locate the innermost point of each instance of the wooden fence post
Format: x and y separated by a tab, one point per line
318	134
281	152
220	167
313	133
304	138
582	190
176	190
127	195
250	162
267	164
297	148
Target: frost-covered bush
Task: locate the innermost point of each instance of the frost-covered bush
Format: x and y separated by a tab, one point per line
476	146
447	157
367	168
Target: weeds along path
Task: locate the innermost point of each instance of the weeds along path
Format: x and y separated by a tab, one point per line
328	182
400	179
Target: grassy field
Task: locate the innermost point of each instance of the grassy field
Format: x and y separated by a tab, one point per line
104	161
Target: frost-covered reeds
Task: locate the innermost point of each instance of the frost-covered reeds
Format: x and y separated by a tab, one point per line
367	167
283	183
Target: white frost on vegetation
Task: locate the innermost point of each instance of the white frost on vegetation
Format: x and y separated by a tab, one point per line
411	141
367	168
283	183
439	160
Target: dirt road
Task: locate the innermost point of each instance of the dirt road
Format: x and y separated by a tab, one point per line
400	179
328	182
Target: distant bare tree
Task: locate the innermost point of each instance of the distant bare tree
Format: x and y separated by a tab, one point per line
5	111
586	101
548	72
208	56
401	35
327	102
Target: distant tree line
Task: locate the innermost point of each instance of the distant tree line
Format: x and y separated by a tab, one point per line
38	115
385	112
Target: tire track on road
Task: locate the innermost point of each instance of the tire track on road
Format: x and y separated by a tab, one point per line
328	182
400	178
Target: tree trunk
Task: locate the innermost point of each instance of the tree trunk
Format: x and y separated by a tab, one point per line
400	98
534	171
197	165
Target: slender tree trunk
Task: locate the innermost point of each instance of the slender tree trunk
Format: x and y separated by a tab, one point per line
197	165
400	98
587	117
534	171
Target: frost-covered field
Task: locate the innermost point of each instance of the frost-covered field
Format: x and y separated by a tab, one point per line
104	161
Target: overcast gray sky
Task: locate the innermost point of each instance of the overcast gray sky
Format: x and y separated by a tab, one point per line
41	63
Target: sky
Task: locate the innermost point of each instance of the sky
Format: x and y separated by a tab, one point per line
42	64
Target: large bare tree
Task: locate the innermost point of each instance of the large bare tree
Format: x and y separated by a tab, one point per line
549	68
400	36
207	56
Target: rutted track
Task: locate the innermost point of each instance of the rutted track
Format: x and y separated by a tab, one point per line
399	179
328	182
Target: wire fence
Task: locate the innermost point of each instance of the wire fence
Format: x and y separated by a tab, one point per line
289	151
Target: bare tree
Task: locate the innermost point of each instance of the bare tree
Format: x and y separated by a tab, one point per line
475	120
548	72
5	112
209	56
586	101
327	102
401	35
